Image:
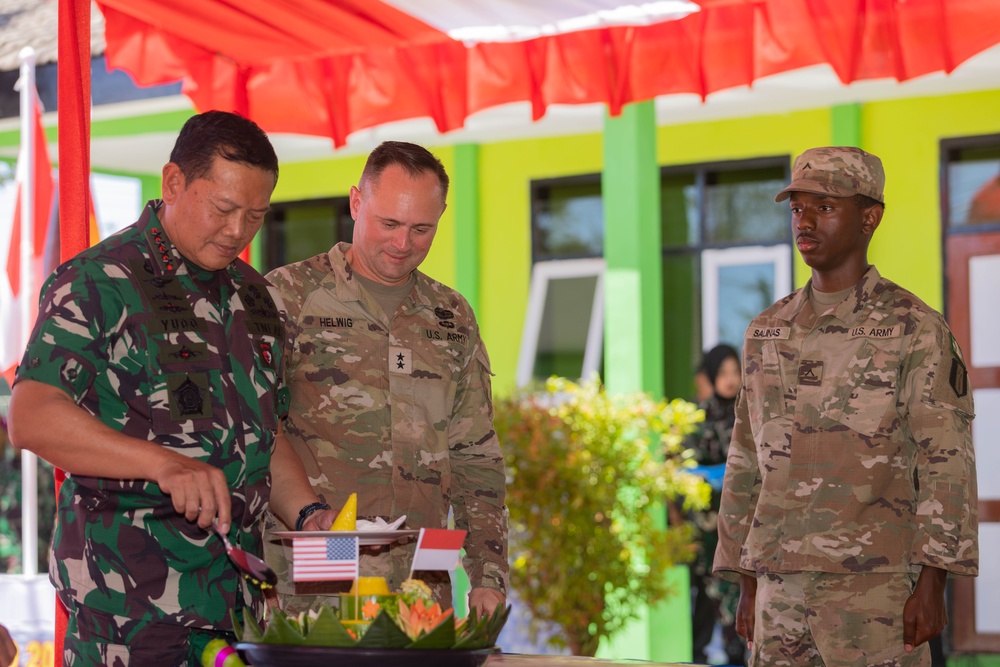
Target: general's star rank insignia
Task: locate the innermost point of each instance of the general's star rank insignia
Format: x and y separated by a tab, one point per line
400	360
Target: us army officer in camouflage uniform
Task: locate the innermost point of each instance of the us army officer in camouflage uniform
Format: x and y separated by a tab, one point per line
153	377
390	381
850	488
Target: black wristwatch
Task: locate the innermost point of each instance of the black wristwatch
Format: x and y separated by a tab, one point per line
307	511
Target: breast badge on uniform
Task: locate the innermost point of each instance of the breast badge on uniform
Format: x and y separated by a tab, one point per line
811	373
265	353
188	396
257	302
183	352
444	317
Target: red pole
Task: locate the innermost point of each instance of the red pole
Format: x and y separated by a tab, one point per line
74	126
74	169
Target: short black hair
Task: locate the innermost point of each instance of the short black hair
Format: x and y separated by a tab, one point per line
415	159
222	133
865	202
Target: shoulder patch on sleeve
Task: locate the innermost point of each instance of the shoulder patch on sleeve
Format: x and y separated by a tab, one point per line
958	378
951	383
69	373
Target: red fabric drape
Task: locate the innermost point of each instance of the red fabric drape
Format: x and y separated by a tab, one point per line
366	64
74	126
74	168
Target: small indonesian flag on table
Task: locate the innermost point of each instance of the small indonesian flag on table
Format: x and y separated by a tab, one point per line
333	558
438	549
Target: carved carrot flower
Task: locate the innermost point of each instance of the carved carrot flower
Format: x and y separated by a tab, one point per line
370	609
418	619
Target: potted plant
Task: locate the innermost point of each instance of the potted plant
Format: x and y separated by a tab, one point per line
589	474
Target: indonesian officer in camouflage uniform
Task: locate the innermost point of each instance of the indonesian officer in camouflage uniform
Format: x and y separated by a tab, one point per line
153	378
390	383
850	488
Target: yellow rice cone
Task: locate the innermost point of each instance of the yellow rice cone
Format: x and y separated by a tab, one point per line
348	517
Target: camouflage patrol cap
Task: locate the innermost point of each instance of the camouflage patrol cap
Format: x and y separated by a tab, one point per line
837	171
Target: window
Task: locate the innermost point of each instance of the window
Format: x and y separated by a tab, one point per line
727	255
738	283
971	185
117	202
564	326
294	231
567	218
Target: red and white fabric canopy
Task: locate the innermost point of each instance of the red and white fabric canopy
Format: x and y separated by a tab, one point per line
332	67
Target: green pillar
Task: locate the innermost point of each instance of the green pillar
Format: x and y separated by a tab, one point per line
633	304
257	250
465	199
633	326
845	124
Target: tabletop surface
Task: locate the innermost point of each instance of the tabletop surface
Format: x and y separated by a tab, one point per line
524	660
276	655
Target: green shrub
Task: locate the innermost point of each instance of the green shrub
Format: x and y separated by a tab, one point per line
588	474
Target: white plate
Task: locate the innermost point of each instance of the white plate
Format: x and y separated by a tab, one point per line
367	537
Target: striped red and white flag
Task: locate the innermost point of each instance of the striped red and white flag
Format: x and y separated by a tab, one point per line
19	306
438	549
333	558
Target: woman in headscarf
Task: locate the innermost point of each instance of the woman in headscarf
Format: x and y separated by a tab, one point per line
714	600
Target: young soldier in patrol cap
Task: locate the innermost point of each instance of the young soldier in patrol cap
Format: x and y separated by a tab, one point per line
850	487
153	378
390	383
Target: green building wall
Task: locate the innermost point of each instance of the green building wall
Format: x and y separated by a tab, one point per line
905	133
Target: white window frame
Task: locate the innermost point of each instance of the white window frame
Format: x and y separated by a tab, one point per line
779	256
117	202
542	274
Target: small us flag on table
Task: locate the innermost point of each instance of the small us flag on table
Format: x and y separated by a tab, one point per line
333	558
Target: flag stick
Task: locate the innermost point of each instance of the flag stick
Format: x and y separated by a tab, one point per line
29	463
420	538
